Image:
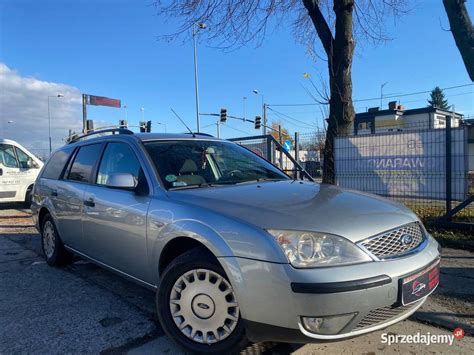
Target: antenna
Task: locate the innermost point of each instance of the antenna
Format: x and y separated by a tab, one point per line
179	118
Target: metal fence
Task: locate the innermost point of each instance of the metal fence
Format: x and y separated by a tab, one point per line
426	169
430	170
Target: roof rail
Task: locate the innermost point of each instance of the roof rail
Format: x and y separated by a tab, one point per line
77	138
200	134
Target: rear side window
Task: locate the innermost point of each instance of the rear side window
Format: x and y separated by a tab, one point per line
84	162
55	165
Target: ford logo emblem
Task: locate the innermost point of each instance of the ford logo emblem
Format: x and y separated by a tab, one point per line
406	239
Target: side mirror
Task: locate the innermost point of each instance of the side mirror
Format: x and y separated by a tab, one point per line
30	164
121	181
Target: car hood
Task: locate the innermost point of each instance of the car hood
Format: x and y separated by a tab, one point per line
304	206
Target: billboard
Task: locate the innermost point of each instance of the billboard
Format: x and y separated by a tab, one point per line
402	164
102	101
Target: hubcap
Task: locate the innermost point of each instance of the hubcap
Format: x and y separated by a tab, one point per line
203	306
48	239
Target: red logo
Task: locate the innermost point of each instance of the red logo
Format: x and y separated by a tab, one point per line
458	333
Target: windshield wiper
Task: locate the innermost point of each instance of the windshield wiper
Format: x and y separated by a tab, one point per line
247	181
191	186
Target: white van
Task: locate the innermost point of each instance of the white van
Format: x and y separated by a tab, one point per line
18	171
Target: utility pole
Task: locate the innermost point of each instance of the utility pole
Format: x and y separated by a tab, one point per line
264	119
84	113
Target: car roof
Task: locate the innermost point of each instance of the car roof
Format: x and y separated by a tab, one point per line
8	141
165	136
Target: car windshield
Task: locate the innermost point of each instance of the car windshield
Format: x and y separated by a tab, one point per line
192	163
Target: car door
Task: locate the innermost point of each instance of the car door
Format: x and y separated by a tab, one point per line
10	176
115	219
29	169
68	194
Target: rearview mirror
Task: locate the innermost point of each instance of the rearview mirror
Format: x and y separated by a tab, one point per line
121	181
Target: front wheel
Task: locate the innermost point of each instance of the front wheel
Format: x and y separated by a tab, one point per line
197	306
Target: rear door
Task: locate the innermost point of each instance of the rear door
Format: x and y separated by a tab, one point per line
68	194
10	175
115	219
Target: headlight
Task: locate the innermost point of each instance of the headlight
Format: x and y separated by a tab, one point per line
310	249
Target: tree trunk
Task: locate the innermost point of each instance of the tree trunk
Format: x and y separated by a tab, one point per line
463	31
339	51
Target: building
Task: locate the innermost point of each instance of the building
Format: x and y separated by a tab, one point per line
396	118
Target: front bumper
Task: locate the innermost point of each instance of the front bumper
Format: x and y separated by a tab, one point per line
266	296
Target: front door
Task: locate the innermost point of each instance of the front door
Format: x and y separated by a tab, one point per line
9	174
114	220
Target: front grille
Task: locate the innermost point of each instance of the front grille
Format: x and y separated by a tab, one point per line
395	242
384	314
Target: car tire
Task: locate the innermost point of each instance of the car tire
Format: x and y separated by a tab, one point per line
51	244
201	304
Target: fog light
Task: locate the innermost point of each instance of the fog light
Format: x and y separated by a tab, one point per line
327	325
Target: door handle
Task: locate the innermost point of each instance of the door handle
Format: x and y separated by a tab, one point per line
54	193
89	203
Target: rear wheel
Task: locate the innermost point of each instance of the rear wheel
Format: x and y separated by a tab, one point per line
197	305
53	248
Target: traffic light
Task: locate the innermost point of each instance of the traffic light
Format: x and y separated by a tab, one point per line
223	115
148	126
123	124
89	125
258	122
142	125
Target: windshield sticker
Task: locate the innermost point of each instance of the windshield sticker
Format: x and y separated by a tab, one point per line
171	178
179	183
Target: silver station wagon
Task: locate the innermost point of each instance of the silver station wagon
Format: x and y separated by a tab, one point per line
235	249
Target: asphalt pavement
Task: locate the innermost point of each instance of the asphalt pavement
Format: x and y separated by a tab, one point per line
84	309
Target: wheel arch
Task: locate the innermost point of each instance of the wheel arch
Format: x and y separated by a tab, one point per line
41	214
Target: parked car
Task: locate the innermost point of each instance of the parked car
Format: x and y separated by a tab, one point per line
234	248
18	171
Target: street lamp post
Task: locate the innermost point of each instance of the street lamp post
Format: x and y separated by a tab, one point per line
197	26
49	121
381	93
264	111
162	124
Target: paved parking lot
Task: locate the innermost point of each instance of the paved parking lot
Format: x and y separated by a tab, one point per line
84	309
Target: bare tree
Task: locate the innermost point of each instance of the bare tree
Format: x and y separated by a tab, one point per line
462	30
332	24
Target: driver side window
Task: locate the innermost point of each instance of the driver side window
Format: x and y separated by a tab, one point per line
25	160
118	158
7	156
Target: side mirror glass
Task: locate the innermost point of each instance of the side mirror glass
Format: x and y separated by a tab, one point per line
121	181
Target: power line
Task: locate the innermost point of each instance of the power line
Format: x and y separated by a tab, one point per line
280	114
235	129
376	98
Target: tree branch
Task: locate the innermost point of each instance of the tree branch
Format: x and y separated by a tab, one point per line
321	25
